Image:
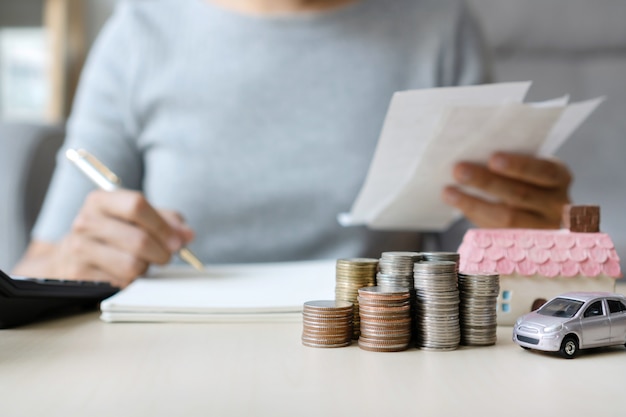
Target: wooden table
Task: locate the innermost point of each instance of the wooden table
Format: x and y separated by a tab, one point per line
81	366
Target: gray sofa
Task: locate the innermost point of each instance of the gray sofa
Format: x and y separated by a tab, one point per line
575	47
26	164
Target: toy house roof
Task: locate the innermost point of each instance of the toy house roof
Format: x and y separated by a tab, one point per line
530	252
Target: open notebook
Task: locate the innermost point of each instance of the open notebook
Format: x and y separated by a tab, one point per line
223	293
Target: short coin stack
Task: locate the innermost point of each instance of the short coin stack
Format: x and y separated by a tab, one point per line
327	323
385	319
350	275
396	269
442	256
437	305
478	294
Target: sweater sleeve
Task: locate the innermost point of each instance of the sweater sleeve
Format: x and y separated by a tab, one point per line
101	122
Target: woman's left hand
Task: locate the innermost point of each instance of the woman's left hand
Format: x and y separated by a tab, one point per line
528	192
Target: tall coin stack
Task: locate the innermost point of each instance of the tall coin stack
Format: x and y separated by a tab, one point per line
385	319
327	323
437	305
478	294
350	275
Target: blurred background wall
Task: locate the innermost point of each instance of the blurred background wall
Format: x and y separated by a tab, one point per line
575	47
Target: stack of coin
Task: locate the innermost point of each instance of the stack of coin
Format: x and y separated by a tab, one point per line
437	305
442	256
385	319
327	323
352	274
478	294
396	269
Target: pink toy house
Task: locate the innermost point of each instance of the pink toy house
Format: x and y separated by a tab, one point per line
535	265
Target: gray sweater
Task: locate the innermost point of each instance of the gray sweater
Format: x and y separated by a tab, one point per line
259	130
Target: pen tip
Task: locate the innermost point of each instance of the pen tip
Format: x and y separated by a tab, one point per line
191	259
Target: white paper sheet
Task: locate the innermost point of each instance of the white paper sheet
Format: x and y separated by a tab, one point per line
572	117
224	293
427	131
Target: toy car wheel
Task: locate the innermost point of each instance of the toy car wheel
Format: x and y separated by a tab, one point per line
569	347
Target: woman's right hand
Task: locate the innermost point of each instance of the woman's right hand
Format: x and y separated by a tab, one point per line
115	237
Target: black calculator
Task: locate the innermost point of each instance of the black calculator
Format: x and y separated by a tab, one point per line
24	300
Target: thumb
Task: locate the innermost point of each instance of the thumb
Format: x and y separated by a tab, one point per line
178	224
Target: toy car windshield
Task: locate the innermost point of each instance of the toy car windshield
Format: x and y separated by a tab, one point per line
561	307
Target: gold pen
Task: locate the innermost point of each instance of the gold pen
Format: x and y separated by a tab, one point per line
104	178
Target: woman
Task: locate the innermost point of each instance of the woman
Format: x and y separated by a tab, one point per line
256	121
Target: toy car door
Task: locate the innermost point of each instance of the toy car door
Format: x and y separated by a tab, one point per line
617	316
595	324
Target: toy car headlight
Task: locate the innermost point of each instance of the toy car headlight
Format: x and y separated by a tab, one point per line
553	328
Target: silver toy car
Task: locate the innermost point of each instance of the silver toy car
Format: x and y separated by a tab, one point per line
574	321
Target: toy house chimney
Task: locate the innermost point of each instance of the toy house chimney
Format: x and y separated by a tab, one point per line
581	219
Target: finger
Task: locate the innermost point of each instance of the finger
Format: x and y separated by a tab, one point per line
132	207
495	215
178	224
97	259
127	237
122	265
513	192
541	172
78	268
